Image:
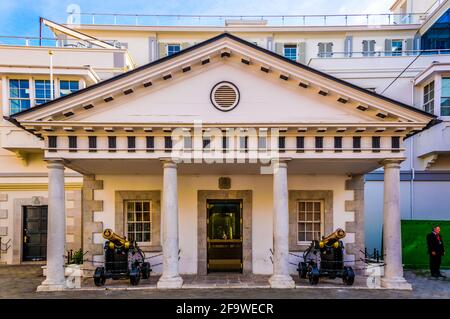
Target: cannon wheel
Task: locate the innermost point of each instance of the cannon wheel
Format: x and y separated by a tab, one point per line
313	275
348	277
135	276
145	270
99	276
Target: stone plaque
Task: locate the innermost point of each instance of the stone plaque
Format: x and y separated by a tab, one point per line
224	183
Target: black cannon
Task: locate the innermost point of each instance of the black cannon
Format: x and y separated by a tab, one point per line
325	258
123	259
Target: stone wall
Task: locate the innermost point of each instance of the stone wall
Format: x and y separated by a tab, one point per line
90	227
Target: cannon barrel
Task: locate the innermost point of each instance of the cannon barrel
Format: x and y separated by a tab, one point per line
119	241
333	237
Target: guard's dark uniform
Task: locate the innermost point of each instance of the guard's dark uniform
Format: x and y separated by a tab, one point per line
435	244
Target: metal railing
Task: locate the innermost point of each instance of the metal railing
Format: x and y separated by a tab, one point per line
30	41
268	20
367	54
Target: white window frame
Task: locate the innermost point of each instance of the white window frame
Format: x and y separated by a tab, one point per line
290	46
172	44
140	243
298	221
397	53
8	91
444	76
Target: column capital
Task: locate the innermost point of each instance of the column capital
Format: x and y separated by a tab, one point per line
169	162
55	163
280	162
392	162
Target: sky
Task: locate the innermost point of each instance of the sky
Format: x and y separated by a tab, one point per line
21	17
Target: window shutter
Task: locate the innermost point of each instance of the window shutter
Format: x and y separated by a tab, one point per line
416	45
365	47
150	141
168	144
279	48
409	45
131	143
388	47
329	47
300	144
162	50
372	46
281	144
52	143
112	143
301	52
321	49
152	49
348	46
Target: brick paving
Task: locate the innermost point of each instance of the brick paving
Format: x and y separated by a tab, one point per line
21	282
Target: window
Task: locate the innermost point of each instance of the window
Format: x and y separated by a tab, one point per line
338	144
42	91
445	97
225	144
319	144
92	143
173	48
290	51
397	47
428	98
309	220
243	143
281	144
368	47
72	143
325	49
112	143
262	143
131	143
139	222
19	96
300	144
356	143
167	144
68	87
150	143
52	143
376	144
395	144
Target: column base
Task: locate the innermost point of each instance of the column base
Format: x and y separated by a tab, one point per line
46	286
170	282
395	283
281	282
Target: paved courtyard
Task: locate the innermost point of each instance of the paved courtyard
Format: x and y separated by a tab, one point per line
21	282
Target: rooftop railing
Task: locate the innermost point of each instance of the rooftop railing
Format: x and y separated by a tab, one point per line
365	54
124	19
51	42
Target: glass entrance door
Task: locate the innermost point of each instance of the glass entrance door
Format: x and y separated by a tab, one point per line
224	236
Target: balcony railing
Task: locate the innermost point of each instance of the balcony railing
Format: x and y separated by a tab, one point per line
228	20
51	42
368	54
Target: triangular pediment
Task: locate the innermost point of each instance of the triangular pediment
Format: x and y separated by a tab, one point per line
271	90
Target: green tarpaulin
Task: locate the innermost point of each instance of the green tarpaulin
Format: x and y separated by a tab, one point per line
414	242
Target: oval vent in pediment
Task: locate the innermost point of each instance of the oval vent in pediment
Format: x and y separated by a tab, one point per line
225	96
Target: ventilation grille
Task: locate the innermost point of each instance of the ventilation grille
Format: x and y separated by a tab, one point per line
225	96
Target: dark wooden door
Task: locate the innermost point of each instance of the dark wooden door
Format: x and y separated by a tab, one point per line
34	233
224	237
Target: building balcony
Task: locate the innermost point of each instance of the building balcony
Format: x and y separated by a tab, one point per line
248	20
72	56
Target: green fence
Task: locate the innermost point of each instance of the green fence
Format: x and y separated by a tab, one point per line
414	244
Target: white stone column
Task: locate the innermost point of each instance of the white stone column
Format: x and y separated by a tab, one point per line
170	277
392	241
280	277
56	231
